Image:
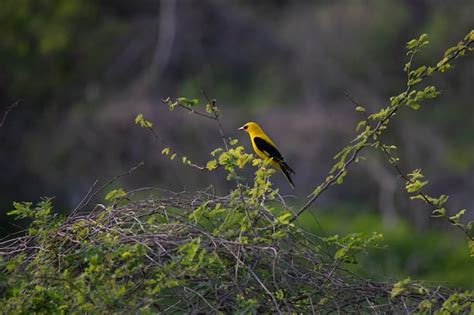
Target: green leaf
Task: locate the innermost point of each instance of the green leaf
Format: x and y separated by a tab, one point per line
415	106
115	194
218	150
412	44
187	102
340	179
399	287
172	105
361	124
340	253
165	151
425	305
211	165
139	118
455	218
147	124
39	288
437	213
284	218
423	37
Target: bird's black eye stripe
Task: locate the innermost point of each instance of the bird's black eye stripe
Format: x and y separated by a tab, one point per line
245	127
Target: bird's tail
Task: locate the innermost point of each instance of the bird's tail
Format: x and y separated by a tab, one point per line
286	169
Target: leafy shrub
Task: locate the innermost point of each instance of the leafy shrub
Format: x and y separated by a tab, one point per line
205	253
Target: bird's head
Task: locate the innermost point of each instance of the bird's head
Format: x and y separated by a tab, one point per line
251	127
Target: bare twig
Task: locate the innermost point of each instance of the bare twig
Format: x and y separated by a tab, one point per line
88	197
216	118
7	110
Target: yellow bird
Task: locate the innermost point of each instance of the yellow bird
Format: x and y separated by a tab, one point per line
266	149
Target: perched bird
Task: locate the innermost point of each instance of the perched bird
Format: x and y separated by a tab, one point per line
266	149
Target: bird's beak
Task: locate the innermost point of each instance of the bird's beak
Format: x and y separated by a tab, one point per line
241	128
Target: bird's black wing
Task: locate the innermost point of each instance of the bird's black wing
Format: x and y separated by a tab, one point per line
268	149
273	153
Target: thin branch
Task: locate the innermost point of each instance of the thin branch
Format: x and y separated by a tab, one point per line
8	109
190	110
376	130
179	155
357	104
216	117
285	281
396	166
88	197
275	303
420	192
393	162
343	169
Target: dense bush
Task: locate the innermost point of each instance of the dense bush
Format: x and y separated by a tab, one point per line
192	254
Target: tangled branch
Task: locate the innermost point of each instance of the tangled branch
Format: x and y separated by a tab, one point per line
168	257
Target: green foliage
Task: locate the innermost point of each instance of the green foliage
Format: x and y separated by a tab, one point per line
458	303
183	102
139	120
415	184
148	257
213	254
400	287
115	194
353	244
211	165
432	255
40	215
104	263
373	126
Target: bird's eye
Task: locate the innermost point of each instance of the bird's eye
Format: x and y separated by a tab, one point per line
245	127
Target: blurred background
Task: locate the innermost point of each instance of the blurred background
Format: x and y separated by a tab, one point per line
84	69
